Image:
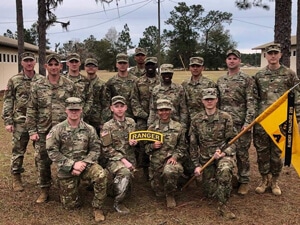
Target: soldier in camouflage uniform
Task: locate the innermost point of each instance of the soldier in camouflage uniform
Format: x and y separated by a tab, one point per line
271	81
165	165
75	147
82	83
98	113
139	57
119	151
194	86
122	83
15	101
236	98
140	98
171	91
210	130
46	109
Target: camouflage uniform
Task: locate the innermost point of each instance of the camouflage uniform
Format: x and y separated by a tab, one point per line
46	109
207	133
237	99
115	144
271	84
67	145
164	176
15	102
175	94
136	71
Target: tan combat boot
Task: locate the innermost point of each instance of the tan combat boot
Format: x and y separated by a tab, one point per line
171	203
263	184
243	189
225	211
121	208
17	182
274	186
43	196
99	215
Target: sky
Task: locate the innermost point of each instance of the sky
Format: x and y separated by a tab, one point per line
249	28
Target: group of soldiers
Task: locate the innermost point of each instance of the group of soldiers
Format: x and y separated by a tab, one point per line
83	124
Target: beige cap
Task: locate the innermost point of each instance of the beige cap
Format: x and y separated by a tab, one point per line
27	55
73	56
91	61
273	47
118	99
209	93
163	104
166	68
73	103
233	52
122	57
56	57
196	61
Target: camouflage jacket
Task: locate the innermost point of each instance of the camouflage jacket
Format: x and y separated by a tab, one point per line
135	71
141	94
66	145
193	94
175	94
16	98
85	93
121	86
271	84
207	133
237	98
47	104
99	112
174	144
115	140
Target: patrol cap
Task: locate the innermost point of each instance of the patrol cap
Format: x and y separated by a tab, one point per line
73	103
273	47
118	99
196	61
73	56
151	60
91	61
27	55
233	52
166	68
163	104
209	93
122	57
140	50
56	57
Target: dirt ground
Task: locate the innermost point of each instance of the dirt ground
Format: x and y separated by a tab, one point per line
146	209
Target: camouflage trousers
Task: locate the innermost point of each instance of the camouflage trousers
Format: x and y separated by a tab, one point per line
164	179
216	179
242	156
268	154
68	187
42	162
20	141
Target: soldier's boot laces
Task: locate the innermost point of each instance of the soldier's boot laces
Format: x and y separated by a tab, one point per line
171	203
243	189
44	195
274	186
121	208
99	215
226	212
17	183
263	184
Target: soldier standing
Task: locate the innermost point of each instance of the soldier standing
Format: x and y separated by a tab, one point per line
120	151
272	82
236	98
75	147
139	57
210	129
122	83
46	109
165	164
15	102
81	82
140	97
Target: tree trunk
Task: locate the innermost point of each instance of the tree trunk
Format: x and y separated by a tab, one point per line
42	35
283	21
298	40
20	29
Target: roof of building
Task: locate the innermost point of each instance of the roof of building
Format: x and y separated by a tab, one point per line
262	47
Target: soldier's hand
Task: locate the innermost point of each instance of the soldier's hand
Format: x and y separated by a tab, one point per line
133	142
127	164
79	166
197	171
10	128
75	172
34	137
219	154
172	161
156	145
